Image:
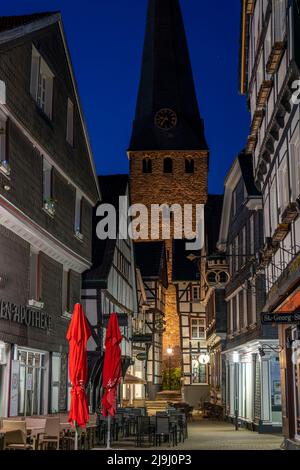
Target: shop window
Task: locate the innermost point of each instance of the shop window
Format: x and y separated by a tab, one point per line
147	165
41	85
168	165
199	371
70	123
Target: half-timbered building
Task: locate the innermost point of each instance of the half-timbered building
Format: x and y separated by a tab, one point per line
151	260
270	61
110	285
192	318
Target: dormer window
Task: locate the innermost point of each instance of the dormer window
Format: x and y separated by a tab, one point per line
189	165
41	84
168	165
147	165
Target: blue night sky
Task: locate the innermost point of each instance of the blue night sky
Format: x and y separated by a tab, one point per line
105	38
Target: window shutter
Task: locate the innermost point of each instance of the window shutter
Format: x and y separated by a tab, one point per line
35	68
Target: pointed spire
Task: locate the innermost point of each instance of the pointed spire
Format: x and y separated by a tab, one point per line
166	82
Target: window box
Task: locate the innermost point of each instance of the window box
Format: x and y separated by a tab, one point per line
268	250
290	214
264	93
281	233
257	121
50	206
5	167
275	57
36	304
251	144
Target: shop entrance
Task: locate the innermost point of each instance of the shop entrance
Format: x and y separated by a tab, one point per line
32	382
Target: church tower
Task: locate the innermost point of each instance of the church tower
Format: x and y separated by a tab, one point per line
168	151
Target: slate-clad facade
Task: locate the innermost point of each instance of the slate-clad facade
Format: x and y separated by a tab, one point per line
47	193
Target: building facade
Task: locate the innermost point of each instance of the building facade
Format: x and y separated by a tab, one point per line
168	152
253	393
47	191
110	285
192	317
269	69
151	260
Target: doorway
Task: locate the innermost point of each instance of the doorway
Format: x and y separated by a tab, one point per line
32	382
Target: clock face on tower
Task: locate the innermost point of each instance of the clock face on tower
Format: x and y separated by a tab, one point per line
165	119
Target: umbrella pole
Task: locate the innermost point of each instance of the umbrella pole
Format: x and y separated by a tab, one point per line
108	432
76	437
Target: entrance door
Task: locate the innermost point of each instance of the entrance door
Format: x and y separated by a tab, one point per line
290	385
32	373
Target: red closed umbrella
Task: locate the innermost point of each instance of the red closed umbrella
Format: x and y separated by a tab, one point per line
78	335
112	372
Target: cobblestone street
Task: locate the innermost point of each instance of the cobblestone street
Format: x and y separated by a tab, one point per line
212	435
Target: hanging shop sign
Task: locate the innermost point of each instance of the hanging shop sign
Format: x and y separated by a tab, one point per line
25	315
283	318
141	357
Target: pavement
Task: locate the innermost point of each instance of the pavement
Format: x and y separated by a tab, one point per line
214	435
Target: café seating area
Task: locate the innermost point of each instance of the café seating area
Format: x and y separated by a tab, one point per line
134	427
52	432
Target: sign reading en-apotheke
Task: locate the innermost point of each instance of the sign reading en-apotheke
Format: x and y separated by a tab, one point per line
283	318
24	315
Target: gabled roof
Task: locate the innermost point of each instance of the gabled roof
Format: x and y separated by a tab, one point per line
242	167
184	270
166	82
11	22
16	27
151	260
103	250
213	215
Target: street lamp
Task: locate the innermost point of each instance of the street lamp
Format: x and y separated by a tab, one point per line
170	353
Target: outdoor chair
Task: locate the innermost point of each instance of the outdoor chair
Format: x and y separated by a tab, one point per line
163	430
15	435
144	430
51	438
182	429
16	440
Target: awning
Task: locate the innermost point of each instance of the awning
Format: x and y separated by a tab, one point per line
133	380
291	304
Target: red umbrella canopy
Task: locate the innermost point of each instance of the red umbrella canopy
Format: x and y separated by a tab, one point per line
78	335
112	373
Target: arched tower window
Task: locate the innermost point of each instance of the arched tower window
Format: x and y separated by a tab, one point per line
189	165
147	165
168	165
